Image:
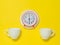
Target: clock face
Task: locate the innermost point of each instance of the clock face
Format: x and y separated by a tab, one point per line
29	18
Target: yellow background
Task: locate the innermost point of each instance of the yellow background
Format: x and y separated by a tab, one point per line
49	15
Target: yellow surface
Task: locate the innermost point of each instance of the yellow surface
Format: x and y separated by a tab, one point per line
49	15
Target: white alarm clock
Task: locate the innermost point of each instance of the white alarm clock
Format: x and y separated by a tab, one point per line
29	19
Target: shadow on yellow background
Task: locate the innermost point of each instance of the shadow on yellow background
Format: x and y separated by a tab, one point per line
49	15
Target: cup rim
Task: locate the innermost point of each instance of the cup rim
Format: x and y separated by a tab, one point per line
45	29
14	28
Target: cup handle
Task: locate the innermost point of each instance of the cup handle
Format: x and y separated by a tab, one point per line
6	32
53	33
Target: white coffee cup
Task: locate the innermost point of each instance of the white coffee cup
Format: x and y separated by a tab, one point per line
46	33
13	32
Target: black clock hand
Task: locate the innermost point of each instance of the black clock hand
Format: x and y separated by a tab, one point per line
29	19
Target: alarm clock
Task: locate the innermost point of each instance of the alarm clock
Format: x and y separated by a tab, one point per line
29	19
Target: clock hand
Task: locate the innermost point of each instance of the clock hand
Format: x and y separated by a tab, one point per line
29	19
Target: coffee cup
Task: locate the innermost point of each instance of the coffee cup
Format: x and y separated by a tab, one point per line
46	33
13	32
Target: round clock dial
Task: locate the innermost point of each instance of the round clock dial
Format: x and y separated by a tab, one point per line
29	19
